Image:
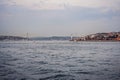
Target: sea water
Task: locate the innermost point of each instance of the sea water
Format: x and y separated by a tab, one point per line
59	60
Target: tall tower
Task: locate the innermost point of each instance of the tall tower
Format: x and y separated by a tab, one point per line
27	37
71	37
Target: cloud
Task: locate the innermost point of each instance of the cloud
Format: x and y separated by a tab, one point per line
104	5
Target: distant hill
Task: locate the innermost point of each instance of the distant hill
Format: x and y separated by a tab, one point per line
52	38
11	38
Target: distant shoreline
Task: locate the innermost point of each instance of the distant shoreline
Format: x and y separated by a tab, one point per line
97	41
14	38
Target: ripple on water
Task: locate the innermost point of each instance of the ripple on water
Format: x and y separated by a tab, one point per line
46	71
40	62
80	61
85	72
58	77
105	63
92	53
56	61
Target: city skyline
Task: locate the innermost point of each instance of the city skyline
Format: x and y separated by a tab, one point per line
58	17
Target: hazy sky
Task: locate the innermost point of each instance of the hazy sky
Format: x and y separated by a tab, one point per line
58	17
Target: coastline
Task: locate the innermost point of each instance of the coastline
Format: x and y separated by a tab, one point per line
96	41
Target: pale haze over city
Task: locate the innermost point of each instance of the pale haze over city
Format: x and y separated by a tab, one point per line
58	17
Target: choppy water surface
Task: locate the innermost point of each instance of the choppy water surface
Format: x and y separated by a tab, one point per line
59	60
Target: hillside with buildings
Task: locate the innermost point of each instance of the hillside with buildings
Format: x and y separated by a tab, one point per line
111	36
